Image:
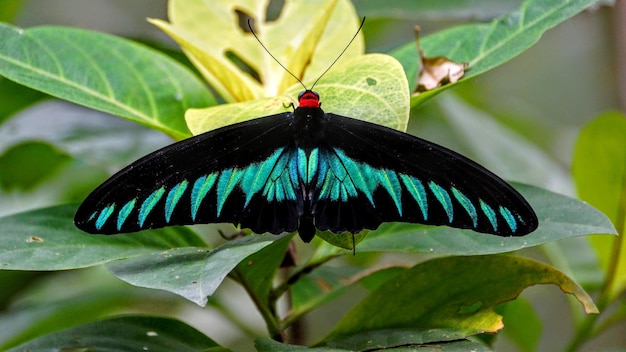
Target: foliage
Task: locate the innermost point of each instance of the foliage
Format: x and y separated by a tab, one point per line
443	287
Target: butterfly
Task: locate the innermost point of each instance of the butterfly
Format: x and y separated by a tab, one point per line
305	170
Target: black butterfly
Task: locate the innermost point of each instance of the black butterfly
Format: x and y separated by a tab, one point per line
304	171
301	171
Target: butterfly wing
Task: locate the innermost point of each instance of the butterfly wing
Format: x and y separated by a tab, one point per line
371	174
233	174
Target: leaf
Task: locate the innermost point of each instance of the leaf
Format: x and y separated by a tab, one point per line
599	169
434	10
103	72
326	283
485	46
129	333
442	300
305	38
46	239
26	165
559	217
30	321
369	87
269	345
265	344
21	97
193	273
257	272
342	240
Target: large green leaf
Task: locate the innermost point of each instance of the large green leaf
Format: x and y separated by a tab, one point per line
306	37
599	168
485	46
46	239
103	72
443	300
368	87
193	273
130	333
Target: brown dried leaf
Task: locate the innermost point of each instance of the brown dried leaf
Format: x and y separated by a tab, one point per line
436	71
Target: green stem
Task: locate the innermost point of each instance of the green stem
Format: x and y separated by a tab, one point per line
266	309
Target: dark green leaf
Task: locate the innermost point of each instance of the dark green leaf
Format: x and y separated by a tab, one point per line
193	273
257	272
443	300
26	165
20	97
46	239
131	333
103	72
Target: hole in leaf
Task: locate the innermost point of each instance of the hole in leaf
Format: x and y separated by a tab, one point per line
274	9
242	20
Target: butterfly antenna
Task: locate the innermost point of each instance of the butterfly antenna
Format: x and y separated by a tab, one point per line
270	54
294	76
343	51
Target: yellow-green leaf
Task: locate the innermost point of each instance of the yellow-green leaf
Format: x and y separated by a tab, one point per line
369	87
306	37
445	299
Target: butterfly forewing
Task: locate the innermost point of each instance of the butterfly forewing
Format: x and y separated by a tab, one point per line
227	175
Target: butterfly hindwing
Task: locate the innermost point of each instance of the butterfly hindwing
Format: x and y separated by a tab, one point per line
375	174
232	174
